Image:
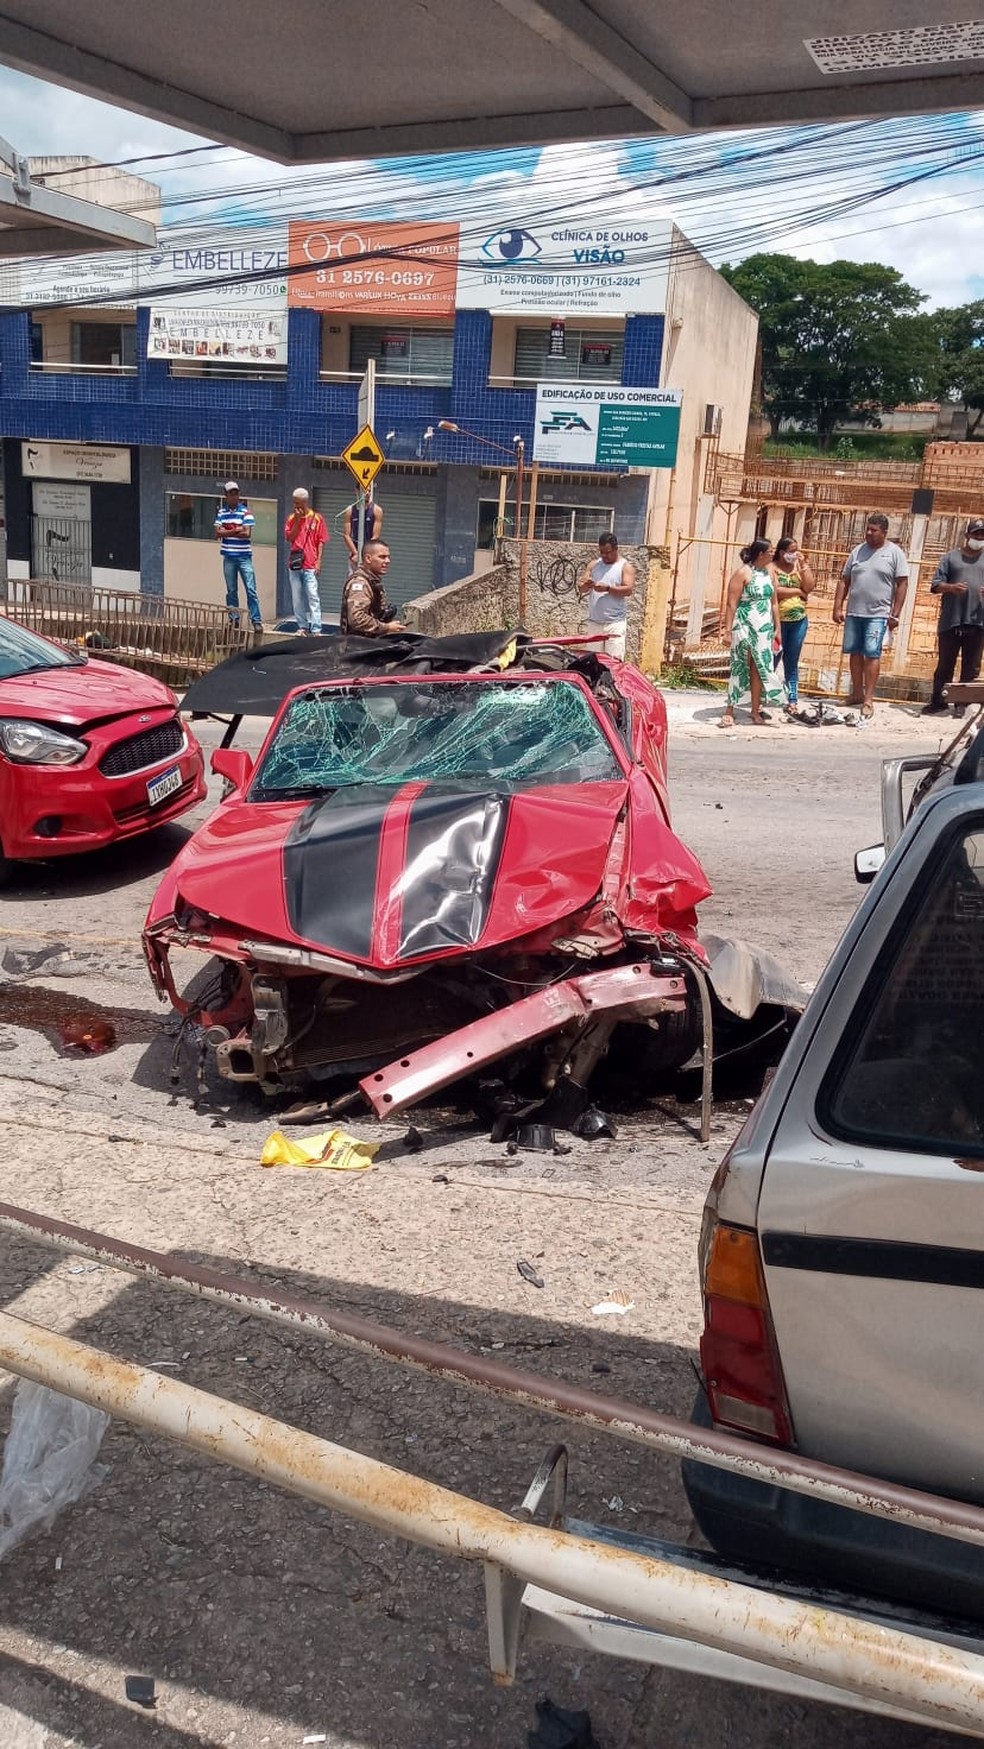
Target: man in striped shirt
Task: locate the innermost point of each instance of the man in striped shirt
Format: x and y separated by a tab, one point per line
234	530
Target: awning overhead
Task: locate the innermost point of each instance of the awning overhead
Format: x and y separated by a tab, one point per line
35	220
457	74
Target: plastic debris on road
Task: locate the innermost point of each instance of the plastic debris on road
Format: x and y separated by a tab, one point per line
529	1274
333	1149
142	1690
614	1305
558	1729
48	1460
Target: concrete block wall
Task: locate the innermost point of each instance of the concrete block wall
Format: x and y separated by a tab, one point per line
491	599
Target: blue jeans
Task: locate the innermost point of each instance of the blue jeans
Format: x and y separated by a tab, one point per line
234	566
306	599
864	635
792	632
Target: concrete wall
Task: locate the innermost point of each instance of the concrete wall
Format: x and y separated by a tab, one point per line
490	599
711	338
481	603
86	179
193	572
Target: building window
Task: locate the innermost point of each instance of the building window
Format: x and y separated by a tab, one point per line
191	516
102	345
588	357
423	355
562	522
221	464
761	522
37	343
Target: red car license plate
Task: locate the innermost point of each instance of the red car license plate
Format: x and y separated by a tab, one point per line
159	788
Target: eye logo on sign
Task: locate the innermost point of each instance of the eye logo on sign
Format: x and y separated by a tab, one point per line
510	246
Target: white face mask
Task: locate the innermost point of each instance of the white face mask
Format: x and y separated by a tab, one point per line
975	546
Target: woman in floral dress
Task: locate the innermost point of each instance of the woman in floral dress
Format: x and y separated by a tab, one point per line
751	621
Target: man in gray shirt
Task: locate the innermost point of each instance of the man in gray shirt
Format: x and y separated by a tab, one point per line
874	581
959	582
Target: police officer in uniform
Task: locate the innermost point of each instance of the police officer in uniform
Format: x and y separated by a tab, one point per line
364	608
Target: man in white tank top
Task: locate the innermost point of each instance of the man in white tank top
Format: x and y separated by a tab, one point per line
607	583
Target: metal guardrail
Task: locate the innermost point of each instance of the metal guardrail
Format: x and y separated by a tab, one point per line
888	1667
173	640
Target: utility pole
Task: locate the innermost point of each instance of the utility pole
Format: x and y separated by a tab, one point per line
367	416
520	457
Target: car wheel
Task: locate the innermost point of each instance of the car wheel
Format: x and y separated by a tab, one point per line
7	868
653	1055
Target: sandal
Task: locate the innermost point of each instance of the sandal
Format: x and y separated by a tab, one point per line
867	711
727	721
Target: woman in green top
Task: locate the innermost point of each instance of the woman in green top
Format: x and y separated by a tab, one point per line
794	581
751	622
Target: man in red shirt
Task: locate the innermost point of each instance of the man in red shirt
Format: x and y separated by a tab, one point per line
306	536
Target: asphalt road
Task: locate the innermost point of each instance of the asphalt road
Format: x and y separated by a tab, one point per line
263	1619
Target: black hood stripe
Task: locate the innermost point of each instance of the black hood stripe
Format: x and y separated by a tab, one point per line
364	880
330	860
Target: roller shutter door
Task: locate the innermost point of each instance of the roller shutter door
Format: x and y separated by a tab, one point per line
410	527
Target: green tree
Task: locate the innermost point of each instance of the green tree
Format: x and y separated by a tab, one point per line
841	341
961	342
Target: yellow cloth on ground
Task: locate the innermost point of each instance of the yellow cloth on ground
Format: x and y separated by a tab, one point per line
335	1149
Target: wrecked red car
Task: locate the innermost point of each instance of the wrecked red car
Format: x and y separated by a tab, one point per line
449	854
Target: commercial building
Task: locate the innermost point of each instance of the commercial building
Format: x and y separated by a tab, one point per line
129	391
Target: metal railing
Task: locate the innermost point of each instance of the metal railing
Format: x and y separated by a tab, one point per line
859	1660
174	640
956	478
54	365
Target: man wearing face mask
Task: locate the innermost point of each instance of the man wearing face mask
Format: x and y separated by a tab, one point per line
958	582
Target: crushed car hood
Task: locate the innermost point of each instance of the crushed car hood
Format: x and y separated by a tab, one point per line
387	876
87	693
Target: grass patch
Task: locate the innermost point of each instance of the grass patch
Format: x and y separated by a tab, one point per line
684	677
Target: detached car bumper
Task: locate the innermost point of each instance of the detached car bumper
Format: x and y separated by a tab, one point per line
49	810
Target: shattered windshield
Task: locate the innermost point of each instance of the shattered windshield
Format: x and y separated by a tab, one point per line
522	732
21	652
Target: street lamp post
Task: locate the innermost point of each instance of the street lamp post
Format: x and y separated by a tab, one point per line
519	454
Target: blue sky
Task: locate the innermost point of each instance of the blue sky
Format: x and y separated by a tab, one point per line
933	232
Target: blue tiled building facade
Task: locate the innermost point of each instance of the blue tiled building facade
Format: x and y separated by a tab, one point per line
296	418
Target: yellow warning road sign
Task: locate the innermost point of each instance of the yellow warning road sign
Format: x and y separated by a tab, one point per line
363	457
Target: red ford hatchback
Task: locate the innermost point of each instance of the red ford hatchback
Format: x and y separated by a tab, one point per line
89	752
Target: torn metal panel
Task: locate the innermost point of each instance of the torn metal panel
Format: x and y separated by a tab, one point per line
636	991
744	978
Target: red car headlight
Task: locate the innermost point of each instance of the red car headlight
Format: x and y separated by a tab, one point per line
36	744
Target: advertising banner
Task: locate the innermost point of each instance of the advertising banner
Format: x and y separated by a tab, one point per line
570	268
220	268
351	271
603	425
238	335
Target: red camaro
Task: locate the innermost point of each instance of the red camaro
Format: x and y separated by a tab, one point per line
89	752
429	871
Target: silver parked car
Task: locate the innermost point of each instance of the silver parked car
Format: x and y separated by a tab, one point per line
843	1242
